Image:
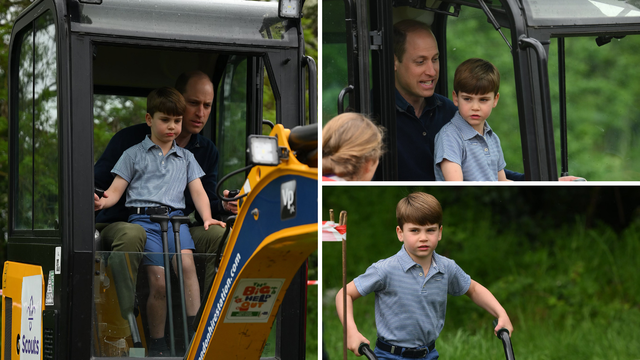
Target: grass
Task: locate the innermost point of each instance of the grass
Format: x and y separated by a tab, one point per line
570	289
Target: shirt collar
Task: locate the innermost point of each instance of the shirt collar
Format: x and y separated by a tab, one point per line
406	262
148	144
402	104
467	130
194	141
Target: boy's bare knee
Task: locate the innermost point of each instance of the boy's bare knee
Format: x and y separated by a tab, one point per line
158	290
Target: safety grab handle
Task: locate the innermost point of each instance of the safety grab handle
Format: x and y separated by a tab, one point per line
365	350
503	334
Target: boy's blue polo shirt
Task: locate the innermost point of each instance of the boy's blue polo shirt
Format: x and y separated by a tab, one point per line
202	148
415	136
479	155
411	307
154	178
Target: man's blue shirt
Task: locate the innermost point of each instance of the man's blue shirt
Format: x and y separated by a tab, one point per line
203	149
411	307
416	135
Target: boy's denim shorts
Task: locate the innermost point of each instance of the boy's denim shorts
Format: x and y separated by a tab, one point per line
383	355
154	238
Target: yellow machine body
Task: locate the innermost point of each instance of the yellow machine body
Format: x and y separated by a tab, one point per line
274	233
23	299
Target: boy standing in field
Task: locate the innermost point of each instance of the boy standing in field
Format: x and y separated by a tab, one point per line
411	287
466	148
155	174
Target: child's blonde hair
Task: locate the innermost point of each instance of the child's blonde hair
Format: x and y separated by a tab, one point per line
349	140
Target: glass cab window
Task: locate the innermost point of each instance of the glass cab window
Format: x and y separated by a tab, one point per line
603	126
470	36
37	201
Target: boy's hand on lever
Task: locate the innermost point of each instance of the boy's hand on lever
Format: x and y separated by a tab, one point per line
354	339
503	322
210	222
98	203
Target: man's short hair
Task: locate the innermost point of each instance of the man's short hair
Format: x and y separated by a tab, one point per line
400	31
476	77
419	208
184	78
166	100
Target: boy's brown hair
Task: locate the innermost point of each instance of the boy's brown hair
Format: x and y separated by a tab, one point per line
166	100
419	208
476	77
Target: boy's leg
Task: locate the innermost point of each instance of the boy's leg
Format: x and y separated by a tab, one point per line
191	285
157	302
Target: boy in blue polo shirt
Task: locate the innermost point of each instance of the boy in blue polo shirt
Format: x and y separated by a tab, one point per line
155	174
466	148
411	287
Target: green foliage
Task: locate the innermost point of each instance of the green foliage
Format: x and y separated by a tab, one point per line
112	114
566	278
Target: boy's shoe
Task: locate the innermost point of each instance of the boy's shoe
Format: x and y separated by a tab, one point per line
158	348
157	353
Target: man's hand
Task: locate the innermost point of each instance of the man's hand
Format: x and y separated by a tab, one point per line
210	222
354	339
231	206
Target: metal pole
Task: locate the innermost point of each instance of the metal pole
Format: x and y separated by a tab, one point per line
562	73
343	221
163	220
176	221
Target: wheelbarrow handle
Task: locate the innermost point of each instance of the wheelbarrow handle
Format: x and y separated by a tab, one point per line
365	350
503	334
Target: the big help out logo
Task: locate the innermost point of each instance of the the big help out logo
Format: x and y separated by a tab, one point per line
29	342
288	200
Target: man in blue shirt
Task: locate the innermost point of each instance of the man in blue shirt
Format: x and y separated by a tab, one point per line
411	288
123	237
420	112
